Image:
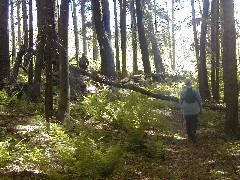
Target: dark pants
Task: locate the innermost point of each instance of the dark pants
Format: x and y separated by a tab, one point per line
191	125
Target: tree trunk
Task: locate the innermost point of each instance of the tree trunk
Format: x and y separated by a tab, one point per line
142	38
50	51
18	62
123	37
203	77
30	67
231	91
41	38
118	71
75	26
136	88
19	23
64	102
107	60
106	17
25	23
155	50
95	42
4	39
13	32
173	36
215	54
196	44
84	32
134	36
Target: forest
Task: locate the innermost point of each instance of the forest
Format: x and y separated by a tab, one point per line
91	89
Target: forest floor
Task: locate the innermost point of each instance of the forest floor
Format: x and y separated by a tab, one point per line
213	156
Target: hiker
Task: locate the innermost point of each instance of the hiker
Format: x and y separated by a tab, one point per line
191	106
83	62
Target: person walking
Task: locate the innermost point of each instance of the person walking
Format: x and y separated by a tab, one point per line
191	107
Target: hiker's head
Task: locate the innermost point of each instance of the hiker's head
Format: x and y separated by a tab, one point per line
188	82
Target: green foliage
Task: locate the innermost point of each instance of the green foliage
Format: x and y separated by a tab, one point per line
210	118
29	153
135	111
81	158
4	153
4	97
155	149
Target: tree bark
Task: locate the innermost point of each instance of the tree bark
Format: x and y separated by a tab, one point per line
84	32
123	37
173	36
41	40
25	23
13	32
155	50
106	17
107	58
196	44
64	102
30	66
95	55
215	54
231	91
4	39
142	38
50	51
203	77
19	23
118	71
75	26
134	36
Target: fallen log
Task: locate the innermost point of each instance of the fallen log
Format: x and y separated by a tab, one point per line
133	87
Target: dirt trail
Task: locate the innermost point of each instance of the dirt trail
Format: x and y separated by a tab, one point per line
211	157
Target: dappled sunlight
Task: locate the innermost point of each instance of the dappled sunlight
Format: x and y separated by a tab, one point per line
179	137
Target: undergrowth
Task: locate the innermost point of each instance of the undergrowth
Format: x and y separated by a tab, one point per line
96	144
110	135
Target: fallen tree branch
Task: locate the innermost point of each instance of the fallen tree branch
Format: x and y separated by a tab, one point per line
136	88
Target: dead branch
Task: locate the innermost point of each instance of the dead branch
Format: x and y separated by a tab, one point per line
133	87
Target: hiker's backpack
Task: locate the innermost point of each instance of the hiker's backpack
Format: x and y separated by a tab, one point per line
190	96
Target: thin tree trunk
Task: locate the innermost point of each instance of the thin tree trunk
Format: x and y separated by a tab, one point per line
196	44
41	38
203	78
23	48
25	23
155	50
123	36
142	38
169	39
30	67
13	32
215	55
95	42
134	36
64	102
75	25
118	71
173	36
19	23
84	32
